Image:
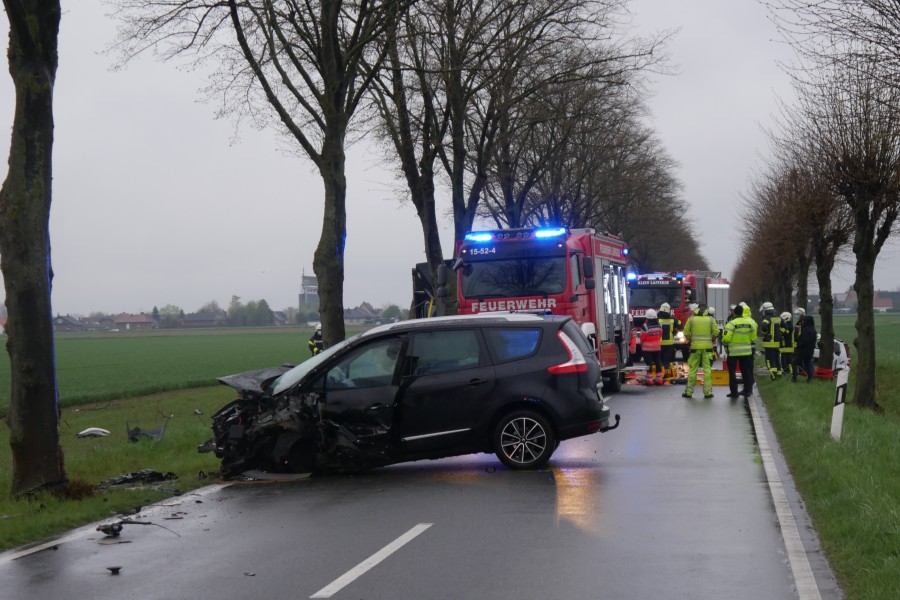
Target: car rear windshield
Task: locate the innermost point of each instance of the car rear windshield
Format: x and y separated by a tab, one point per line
510	344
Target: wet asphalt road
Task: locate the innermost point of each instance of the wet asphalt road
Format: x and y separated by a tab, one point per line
673	504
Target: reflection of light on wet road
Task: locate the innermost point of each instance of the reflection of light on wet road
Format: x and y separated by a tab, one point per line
577	496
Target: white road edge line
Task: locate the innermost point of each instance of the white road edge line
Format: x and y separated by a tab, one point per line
335	586
807	589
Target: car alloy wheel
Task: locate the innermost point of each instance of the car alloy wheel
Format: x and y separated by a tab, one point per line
524	440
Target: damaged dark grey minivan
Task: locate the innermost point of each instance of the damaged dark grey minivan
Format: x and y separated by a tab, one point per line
515	384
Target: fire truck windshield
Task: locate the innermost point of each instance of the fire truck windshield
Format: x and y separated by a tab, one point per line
512	278
652	297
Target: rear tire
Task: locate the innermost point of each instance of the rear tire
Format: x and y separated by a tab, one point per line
524	439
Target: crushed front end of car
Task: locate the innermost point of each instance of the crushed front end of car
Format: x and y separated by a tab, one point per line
287	434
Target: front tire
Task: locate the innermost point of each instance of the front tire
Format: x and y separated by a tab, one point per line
524	439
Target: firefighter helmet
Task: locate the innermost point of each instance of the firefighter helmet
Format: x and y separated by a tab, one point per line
664	307
799	311
785	316
711	311
318	327
766	306
650	314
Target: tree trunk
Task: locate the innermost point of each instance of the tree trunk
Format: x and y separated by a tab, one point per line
25	249
803	280
434	255
824	266
328	260
864	393
782	292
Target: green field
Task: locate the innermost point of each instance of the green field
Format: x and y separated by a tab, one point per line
104	366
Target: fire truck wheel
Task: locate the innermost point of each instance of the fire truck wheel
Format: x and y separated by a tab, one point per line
524	439
613	383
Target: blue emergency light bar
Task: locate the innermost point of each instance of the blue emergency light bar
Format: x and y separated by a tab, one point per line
631	276
515	234
549	232
480	236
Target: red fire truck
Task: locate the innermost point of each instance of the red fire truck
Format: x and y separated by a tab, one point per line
554	270
679	290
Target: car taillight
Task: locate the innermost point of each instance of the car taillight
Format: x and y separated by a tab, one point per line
576	362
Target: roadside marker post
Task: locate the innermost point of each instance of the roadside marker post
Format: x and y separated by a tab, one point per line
840	396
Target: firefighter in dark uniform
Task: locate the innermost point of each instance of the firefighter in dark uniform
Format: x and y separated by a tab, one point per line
316	343
787	344
770	332
670	326
732	313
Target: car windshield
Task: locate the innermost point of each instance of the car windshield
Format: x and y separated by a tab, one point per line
651	297
514	277
290	378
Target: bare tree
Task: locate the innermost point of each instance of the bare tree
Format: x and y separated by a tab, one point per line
481	96
303	65
458	73
823	218
411	103
588	161
854	122
770	223
751	279
821	30
25	247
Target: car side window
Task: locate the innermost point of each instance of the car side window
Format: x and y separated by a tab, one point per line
442	351
369	366
510	344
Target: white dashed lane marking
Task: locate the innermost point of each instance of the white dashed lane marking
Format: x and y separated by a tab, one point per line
356	572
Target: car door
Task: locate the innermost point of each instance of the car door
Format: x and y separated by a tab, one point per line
360	387
447	385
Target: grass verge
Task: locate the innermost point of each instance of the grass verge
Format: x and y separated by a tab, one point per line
95	459
850	487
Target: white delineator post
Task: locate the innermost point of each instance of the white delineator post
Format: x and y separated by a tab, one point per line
840	396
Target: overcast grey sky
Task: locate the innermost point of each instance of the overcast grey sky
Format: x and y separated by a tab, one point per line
155	203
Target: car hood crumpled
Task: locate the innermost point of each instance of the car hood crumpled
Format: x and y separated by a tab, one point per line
254	381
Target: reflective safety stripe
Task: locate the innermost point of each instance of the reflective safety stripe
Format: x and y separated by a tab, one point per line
770	329
738	337
651	339
668	329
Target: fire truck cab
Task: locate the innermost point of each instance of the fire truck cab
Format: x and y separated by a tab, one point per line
553	270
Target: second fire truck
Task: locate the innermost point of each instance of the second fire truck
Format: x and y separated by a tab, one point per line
554	270
679	290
